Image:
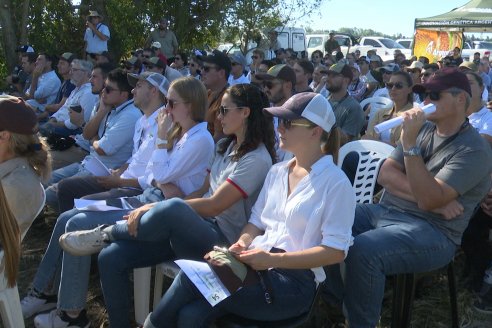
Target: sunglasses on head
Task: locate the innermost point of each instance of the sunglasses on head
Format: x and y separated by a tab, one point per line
109	89
290	123
397	85
270	84
224	110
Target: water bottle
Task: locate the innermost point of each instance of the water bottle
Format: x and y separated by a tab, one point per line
487	281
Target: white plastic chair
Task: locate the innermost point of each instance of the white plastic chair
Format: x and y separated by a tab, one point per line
371	155
10	308
377	104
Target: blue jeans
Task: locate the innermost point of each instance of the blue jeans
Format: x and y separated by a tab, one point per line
48	128
387	242
72	272
75	169
170	230
183	306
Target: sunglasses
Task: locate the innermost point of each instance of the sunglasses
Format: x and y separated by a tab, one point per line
290	123
436	95
270	84
427	74
234	64
109	89
172	103
207	69
224	110
397	85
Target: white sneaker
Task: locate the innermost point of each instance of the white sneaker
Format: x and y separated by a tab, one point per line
59	319
35	302
84	242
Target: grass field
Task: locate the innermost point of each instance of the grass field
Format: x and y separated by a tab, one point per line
430	310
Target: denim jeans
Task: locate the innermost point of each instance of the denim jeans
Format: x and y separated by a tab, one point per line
170	230
74	270
49	128
75	169
386	242
183	306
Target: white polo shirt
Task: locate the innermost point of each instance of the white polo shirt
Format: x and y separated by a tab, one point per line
319	211
482	121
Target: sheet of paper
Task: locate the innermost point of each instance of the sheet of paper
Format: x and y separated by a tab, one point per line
95	166
205	279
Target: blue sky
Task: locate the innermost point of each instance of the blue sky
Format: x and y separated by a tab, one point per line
386	16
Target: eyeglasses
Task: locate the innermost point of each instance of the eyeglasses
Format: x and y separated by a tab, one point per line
254	57
207	69
74	69
224	110
270	84
109	89
172	103
397	85
290	123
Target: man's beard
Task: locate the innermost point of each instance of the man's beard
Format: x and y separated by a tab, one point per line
333	88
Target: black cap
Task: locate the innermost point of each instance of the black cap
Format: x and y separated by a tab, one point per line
218	58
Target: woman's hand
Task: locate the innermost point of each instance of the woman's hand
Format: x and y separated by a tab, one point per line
257	259
133	218
238	247
164	123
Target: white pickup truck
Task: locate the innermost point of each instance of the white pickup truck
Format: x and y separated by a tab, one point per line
483	47
384	47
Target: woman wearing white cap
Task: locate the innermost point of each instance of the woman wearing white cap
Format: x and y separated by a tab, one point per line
301	222
24	161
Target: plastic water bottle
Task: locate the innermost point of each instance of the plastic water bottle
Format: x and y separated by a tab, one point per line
487	281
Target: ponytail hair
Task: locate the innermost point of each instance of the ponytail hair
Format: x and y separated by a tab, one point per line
10	239
330	142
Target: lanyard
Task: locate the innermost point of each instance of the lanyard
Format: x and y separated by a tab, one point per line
430	141
116	113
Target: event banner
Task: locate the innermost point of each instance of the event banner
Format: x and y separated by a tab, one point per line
436	44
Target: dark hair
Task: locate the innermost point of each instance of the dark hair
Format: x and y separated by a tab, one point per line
319	52
268	63
149	50
425	59
406	62
306	65
259	126
119	77
184	58
339	55
408	80
432	66
105	68
31	56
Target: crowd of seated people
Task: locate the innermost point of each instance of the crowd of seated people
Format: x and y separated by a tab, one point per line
211	152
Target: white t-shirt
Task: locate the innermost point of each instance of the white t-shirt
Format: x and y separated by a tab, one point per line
94	44
242	79
482	121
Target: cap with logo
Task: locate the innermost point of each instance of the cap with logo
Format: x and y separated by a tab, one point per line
281	72
155	79
444	79
68	56
156	44
342	69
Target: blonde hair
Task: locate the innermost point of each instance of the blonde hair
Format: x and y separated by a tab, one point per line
10	238
330	142
34	150
194	93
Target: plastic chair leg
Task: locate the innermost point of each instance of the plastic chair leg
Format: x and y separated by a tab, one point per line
141	292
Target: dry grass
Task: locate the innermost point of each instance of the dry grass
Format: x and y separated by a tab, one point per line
430	309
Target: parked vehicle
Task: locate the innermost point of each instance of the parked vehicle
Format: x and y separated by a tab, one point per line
406	43
317	42
384	47
483	47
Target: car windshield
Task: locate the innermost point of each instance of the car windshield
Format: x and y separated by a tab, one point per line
484	45
388	43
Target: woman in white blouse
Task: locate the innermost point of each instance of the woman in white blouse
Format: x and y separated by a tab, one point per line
301	222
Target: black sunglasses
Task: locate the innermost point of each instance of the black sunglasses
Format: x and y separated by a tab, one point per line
397	85
224	110
234	64
433	95
426	74
109	89
270	84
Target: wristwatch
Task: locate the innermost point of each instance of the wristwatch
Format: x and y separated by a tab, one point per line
413	151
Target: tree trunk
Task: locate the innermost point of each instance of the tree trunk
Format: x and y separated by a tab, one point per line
24	18
8	37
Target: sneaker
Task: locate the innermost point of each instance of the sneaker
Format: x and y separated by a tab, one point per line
84	242
483	305
36	302
60	319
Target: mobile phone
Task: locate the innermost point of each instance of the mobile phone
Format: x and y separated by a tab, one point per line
76	108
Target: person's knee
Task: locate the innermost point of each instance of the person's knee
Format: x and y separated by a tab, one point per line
78	222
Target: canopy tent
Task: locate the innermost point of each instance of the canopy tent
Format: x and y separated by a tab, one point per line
475	16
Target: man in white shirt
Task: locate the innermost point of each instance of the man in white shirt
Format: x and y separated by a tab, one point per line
44	85
237	76
96	35
82	96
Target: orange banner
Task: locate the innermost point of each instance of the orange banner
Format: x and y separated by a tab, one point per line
436	44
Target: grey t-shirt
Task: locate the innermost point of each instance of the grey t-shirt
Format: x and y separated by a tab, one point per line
464	164
349	115
247	175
